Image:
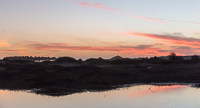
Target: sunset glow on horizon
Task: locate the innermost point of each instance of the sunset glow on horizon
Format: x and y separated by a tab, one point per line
99	28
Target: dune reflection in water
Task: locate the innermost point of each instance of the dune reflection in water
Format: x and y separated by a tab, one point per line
141	96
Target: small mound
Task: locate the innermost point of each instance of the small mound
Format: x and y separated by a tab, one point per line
98	61
115	58
66	60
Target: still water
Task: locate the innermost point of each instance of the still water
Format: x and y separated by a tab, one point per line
140	96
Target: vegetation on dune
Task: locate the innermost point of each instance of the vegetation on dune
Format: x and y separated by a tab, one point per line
95	74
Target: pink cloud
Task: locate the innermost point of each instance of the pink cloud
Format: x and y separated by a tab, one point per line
177	40
146	18
96	5
102	6
2	31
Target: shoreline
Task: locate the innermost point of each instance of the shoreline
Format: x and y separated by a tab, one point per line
58	94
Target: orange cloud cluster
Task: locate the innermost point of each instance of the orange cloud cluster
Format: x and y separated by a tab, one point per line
4	44
177	44
135	50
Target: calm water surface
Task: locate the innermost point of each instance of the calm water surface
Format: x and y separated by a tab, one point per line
142	96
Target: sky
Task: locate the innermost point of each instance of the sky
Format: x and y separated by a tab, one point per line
99	28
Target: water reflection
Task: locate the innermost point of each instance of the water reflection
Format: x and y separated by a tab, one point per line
140	96
156	89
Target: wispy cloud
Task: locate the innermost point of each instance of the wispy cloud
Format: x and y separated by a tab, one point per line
102	6
185	21
96	5
171	38
146	18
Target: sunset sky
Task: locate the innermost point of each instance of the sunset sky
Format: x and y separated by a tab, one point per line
99	28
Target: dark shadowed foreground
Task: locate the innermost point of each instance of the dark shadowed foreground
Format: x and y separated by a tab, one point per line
62	78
